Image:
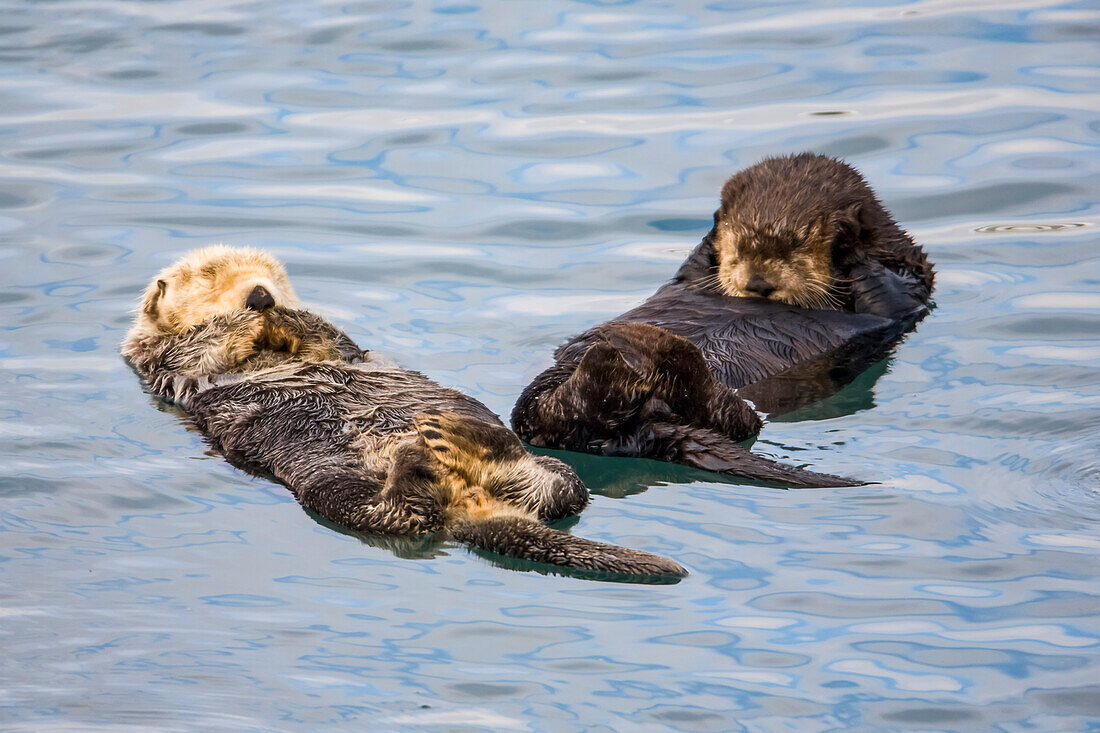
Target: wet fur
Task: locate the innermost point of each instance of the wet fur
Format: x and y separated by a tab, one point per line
666	380
810	227
362	442
635	389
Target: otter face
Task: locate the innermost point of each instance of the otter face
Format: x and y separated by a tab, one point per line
777	263
214	281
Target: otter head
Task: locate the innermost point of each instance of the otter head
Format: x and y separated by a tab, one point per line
210	282
791	261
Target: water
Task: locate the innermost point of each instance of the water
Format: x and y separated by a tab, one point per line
465	186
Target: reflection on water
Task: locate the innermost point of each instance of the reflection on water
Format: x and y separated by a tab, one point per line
464	186
857	395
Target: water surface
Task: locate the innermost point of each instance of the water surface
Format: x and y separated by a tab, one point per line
464	186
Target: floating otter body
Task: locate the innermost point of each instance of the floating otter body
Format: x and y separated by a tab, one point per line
360	441
658	381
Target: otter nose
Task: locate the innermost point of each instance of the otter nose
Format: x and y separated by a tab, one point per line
760	286
259	299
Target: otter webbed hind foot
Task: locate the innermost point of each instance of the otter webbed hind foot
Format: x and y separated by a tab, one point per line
458	441
634	372
491	457
644	392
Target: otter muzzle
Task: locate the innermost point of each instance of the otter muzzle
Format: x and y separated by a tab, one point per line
259	299
760	286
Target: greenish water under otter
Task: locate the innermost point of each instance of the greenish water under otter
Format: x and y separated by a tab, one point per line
464	186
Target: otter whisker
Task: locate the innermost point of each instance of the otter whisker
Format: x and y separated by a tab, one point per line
714	280
817	294
822	293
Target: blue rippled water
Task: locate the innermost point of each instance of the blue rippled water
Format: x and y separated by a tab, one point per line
464	186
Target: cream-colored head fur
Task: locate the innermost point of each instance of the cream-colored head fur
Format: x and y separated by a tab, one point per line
208	282
776	262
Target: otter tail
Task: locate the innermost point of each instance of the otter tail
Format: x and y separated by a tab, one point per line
705	449
526	539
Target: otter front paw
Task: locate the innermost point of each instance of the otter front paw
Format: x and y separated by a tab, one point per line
278	332
227	342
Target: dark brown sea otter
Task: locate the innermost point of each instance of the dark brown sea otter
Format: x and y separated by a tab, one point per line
803	282
807	230
357	439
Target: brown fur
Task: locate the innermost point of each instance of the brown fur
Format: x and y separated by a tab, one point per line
800	229
658	381
636	389
366	444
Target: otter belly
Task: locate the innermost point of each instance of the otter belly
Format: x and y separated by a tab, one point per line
745	340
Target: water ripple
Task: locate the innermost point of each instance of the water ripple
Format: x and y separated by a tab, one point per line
464	186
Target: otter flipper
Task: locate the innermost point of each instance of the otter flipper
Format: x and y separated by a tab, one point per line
458	441
710	451
527	540
491	457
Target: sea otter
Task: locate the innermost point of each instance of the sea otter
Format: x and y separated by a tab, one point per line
802	283
362	442
807	230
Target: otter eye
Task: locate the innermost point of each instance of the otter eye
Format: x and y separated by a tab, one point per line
162	286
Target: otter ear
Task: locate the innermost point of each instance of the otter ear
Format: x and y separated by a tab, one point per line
152	297
847	227
850	218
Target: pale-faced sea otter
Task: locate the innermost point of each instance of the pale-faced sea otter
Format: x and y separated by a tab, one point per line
802	283
362	442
